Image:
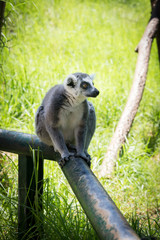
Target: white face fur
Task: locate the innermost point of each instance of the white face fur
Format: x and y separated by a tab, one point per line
73	84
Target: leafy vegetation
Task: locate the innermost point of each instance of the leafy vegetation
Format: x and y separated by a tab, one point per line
44	42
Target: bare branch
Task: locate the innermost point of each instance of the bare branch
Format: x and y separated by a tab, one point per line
135	96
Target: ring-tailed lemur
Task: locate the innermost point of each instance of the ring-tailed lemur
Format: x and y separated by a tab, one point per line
66	117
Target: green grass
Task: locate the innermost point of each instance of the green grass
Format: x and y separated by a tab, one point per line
47	40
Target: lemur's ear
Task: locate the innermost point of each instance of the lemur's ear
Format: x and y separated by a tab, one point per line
92	76
71	81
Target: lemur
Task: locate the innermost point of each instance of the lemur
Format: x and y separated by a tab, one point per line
66	118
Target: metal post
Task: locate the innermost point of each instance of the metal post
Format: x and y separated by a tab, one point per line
30	189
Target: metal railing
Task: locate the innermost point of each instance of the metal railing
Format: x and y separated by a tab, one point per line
105	217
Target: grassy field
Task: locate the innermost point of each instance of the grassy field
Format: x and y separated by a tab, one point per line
44	42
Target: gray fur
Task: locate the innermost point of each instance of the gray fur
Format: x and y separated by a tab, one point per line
67	117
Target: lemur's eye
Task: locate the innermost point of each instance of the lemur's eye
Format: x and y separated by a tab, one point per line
84	85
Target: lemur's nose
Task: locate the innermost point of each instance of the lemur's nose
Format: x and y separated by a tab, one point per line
95	92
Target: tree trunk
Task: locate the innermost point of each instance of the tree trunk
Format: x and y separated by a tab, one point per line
135	96
2	8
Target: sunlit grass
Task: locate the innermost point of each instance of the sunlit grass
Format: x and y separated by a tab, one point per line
46	41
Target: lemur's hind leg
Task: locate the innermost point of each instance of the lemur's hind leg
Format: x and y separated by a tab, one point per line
59	144
40	127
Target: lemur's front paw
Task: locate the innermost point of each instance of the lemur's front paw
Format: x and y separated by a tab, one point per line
85	156
88	160
64	159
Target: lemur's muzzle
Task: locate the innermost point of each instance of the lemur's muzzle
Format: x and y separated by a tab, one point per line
94	93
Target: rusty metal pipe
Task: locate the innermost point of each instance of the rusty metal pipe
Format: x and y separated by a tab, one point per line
105	217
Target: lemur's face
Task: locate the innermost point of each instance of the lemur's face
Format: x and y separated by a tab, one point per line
81	84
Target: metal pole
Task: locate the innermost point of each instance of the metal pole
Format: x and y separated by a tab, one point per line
20	143
105	217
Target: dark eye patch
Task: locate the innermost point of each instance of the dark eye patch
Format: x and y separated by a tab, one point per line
85	85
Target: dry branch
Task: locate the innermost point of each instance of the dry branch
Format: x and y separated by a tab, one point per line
135	96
